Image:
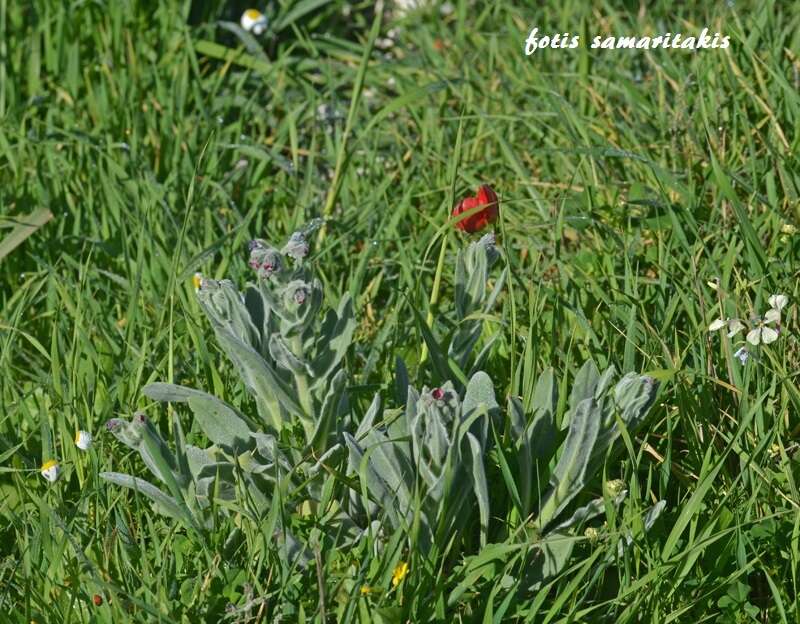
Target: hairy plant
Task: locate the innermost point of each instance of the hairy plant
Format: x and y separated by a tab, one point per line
426	464
289	356
549	475
287	353
421	469
474	300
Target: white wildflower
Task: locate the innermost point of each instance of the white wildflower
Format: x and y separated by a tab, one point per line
776	304
51	470
762	333
83	440
734	326
254	21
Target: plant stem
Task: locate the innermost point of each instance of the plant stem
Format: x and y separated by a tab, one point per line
303	392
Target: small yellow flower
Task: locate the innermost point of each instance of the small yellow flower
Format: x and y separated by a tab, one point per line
83	440
197	281
51	470
254	21
366	590
400	573
788	228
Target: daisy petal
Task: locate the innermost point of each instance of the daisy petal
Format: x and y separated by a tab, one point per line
778	302
718	324
754	336
768	335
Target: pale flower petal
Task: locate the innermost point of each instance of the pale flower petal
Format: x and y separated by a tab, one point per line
778	302
83	440
734	327
773	316
718	324
51	470
768	335
754	336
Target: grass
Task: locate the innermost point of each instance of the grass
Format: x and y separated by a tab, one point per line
643	193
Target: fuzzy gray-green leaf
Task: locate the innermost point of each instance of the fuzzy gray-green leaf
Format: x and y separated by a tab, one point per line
165	504
479	395
375	485
542	431
336	335
568	478
549	558
331	411
480	484
159	458
259	377
591	510
221	424
284	357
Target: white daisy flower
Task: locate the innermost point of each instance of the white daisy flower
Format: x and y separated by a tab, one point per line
83	440
51	470
254	21
734	326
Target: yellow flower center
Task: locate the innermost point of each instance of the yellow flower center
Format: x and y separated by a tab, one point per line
253	14
49	464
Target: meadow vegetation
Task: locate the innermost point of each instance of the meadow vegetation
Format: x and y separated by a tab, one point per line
311	397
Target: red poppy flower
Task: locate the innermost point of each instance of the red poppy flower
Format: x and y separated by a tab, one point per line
480	218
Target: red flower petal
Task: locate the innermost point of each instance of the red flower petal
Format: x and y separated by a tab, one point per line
486	195
480	219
